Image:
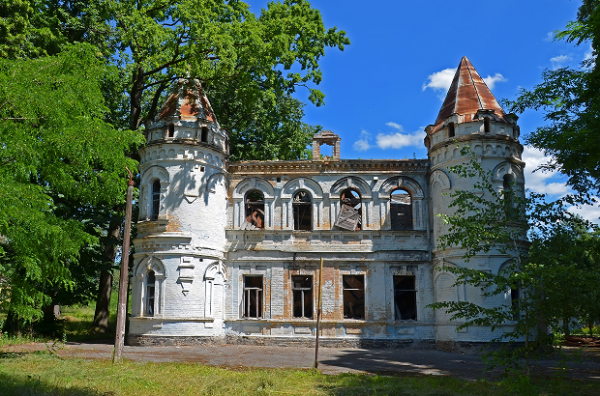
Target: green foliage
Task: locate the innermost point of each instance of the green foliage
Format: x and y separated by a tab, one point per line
570	100
56	147
496	222
248	65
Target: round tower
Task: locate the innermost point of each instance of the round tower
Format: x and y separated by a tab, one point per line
178	275
470	116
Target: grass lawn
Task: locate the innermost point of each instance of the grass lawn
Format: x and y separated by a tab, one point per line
38	374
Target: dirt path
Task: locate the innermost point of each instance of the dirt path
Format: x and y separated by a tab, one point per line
331	361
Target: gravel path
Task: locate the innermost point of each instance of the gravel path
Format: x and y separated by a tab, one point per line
331	361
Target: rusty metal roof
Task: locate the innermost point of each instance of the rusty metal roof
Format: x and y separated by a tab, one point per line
187	101
468	94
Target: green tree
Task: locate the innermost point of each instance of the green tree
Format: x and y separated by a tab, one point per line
570	100
244	62
249	65
487	221
56	148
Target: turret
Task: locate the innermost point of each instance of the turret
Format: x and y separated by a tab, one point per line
183	201
470	116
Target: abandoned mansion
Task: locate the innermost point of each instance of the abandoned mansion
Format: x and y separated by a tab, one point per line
231	251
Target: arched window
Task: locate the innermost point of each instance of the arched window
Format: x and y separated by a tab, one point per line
255	210
401	210
155	200
487	127
451	131
514	304
204	135
350	217
302	205
150	292
171	130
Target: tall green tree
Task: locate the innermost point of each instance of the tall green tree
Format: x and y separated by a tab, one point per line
570	100
529	232
56	148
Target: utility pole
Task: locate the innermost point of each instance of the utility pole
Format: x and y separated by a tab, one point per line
123	278
319	315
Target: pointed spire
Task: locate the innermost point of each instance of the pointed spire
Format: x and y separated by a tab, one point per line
187	101
467	94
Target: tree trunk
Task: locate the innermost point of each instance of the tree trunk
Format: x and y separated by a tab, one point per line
102	314
566	327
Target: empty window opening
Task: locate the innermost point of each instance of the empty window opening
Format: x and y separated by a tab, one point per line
350	217
150	292
279	180
171	131
254	211
405	298
204	135
451	131
201	169
302	290
155	200
507	190
302	205
401	210
354	296
487	125
253	297
514	304
326	152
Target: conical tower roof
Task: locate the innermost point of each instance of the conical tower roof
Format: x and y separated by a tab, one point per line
467	95
187	101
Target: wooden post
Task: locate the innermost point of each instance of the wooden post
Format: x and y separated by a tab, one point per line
319	315
123	278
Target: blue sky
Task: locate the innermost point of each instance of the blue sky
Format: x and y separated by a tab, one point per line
385	87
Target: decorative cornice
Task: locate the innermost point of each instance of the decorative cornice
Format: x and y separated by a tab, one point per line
320	167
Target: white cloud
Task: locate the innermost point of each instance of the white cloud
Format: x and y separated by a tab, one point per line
364	143
492	80
549	37
443	79
440	80
399	140
540	181
395	126
559	61
590	213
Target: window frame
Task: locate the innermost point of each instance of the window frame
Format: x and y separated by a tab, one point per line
412	290
302	291
296	208
155	199
258	205
351	289
395	226
259	298
150	297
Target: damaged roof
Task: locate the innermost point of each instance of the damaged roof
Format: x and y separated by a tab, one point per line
468	94
187	101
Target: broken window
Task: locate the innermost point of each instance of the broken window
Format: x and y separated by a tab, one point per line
171	131
155	200
150	289
401	210
350	217
302	296
302	206
487	127
253	297
451	130
354	296
254	211
204	135
405	298
514	304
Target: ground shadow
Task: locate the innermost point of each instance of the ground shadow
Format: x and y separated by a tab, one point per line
34	385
